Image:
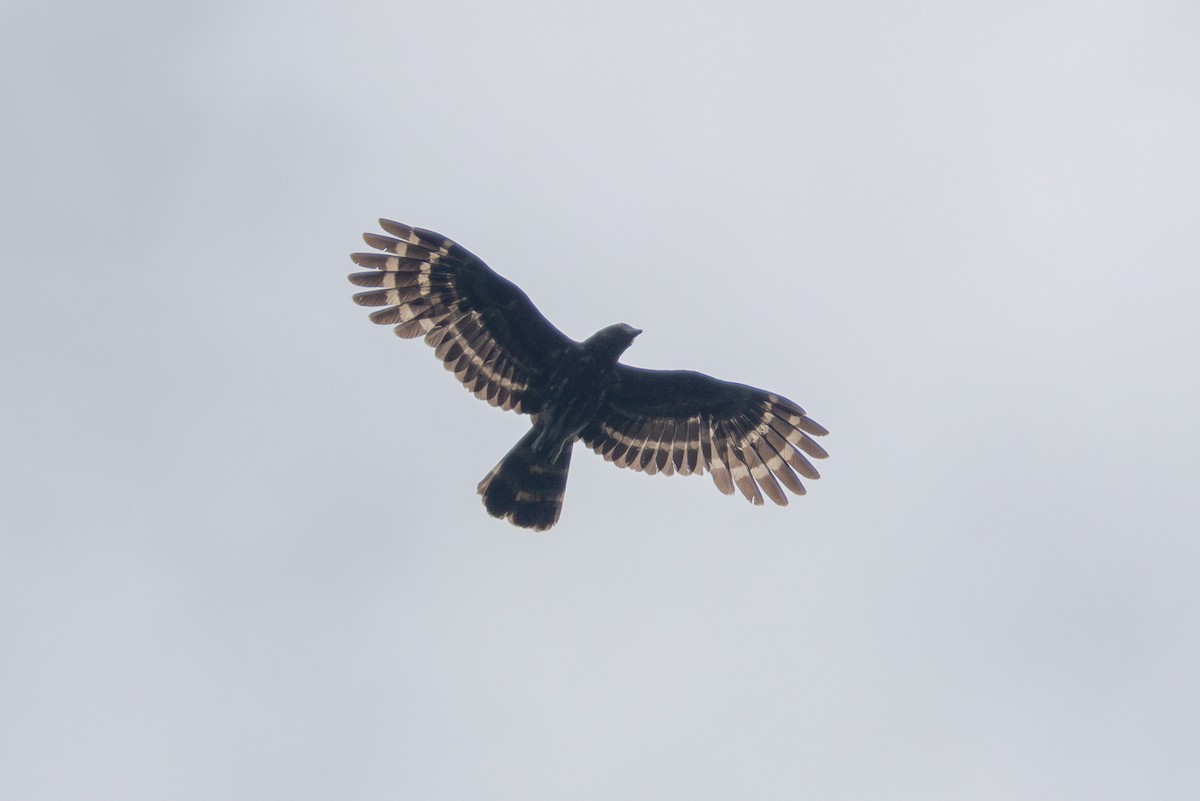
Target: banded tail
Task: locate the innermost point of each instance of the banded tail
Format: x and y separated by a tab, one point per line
526	487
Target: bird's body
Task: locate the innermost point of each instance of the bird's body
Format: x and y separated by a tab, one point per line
496	342
577	387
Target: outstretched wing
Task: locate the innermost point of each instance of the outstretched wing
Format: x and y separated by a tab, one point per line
484	328
678	421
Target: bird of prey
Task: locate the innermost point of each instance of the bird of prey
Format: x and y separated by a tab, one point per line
495	341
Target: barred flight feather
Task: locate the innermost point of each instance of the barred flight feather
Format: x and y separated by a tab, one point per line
740	470
721	474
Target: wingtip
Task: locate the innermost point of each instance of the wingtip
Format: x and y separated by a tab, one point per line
379	241
814	428
394	228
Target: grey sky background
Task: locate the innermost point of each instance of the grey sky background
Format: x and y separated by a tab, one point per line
242	556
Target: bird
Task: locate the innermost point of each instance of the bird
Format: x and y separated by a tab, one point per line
487	332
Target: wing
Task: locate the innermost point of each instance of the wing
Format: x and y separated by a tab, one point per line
483	327
677	421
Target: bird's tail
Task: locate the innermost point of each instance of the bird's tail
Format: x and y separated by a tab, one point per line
525	487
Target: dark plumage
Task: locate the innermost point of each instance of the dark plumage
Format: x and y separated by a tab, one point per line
500	347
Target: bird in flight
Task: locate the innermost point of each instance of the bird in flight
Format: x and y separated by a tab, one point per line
495	341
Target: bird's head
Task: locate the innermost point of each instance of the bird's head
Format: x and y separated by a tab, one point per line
614	339
626	330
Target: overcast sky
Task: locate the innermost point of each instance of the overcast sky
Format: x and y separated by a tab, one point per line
242	556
